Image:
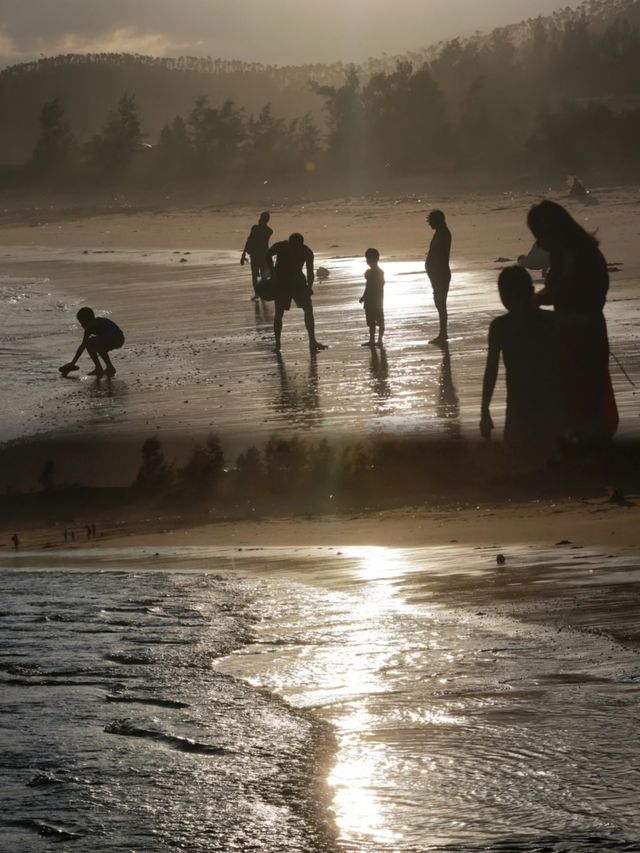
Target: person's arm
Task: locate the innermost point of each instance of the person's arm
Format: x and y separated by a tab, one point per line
366	286
70	365
310	271
243	258
489	382
271	253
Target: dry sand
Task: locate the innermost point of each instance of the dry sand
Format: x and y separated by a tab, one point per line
594	523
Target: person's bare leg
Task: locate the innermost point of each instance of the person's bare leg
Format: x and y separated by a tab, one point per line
98	371
277	326
372	337
255	276
310	323
440	301
110	369
380	332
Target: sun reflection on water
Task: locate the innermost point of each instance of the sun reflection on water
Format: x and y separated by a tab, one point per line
359	772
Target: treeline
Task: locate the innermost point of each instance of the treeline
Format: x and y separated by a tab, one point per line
293	476
552	95
210	142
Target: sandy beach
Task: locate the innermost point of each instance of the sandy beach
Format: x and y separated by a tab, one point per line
199	357
484	648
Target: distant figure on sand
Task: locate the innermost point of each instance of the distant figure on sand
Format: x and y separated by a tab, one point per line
576	187
256	247
438	270
373	297
16	541
576	286
535	259
101	336
291	284
525	337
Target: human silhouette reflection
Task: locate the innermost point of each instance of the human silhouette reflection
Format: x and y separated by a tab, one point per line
448	404
299	401
379	367
263	318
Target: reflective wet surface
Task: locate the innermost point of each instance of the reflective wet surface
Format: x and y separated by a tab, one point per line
199	354
472	707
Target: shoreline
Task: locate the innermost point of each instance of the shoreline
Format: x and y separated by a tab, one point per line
589	523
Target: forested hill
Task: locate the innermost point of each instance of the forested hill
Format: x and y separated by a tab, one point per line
90	86
563	90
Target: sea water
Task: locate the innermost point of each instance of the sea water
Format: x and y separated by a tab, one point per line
319	699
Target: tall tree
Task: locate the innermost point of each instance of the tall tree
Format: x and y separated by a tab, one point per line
54	149
121	137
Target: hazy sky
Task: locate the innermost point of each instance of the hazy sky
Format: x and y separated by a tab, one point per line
279	31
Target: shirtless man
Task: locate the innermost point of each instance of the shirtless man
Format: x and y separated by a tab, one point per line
291	284
438	270
256	247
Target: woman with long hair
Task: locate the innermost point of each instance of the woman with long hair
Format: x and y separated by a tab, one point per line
576	285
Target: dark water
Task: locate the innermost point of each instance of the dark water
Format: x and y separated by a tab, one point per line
118	734
352	702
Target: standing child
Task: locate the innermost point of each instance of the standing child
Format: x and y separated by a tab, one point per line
101	335
373	298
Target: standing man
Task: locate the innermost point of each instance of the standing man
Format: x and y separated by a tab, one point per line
256	247
438	270
291	284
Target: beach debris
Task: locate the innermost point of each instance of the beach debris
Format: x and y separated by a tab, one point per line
322	273
501	559
564	542
502	260
617	496
56	833
41	779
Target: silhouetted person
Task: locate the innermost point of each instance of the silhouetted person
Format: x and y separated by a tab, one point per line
291	284
73	536
526	339
373	297
101	336
256	247
93	531
576	286
535	259
66	535
88	529
438	270
576	188
16	541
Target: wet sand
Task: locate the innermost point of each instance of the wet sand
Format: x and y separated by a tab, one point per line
199	354
475	706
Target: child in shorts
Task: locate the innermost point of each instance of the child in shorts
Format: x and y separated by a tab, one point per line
101	335
373	298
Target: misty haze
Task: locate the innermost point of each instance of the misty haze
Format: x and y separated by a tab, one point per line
320	452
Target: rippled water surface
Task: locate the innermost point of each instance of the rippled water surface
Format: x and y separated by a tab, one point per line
203	710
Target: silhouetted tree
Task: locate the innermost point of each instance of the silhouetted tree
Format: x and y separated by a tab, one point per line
154	473
46	476
112	150
200	476
174	152
55	146
216	135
